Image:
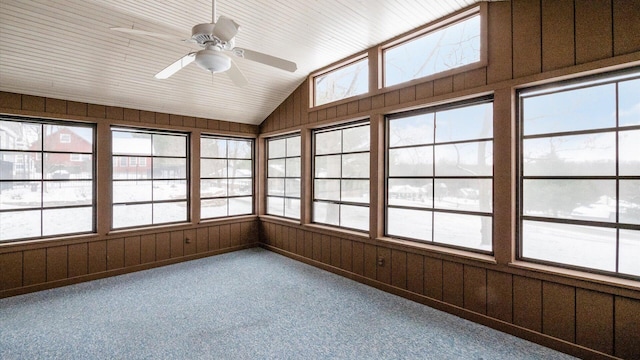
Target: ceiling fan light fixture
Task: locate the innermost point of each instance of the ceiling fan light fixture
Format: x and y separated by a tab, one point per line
213	60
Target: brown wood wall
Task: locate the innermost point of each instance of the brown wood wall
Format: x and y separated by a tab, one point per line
36	265
529	41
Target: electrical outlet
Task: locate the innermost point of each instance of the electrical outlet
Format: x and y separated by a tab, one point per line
380	261
187	240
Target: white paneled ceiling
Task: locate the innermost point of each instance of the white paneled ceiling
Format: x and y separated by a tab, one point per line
65	48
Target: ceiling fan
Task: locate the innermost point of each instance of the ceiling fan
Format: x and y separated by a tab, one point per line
217	40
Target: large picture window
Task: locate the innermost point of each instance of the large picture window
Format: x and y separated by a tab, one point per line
226	177
341	176
46	179
283	177
451	45
440	175
153	191
580	174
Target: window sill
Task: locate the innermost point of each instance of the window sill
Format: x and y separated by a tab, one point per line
280	219
336	231
577	275
458	253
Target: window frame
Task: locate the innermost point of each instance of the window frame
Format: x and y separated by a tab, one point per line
555	87
124	164
252	141
42	180
488	99
340	127
478	9
285	177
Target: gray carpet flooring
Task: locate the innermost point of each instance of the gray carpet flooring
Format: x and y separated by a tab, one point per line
251	304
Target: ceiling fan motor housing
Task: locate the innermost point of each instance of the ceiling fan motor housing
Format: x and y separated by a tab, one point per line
203	33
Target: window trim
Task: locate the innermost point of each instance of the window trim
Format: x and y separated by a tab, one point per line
252	178
428	110
56	122
477	9
342	126
266	187
151	156
554	87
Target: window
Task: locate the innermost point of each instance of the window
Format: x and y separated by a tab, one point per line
579	184
346	81
153	194
226	177
440	175
65	138
341	176
449	46
283	177
43	192
75	157
133	161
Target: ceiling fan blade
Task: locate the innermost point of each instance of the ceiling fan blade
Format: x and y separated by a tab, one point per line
173	68
236	75
148	33
265	59
225	28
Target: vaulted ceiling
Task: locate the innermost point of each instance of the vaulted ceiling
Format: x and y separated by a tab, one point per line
66	48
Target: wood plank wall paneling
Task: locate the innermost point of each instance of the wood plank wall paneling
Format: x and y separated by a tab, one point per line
225	236
558	47
308	244
115	254
190	242
78	260
383	270
148	248
131	251
346	254
500	43
558	311
358	258
594	38
527	303
370	261
11	270
97	256
415	273
475	289
453	283
163	246
594	320
57	263
526	37
433	278
336	251
399	268
626	26
500	295
34	266
214	237
627	328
